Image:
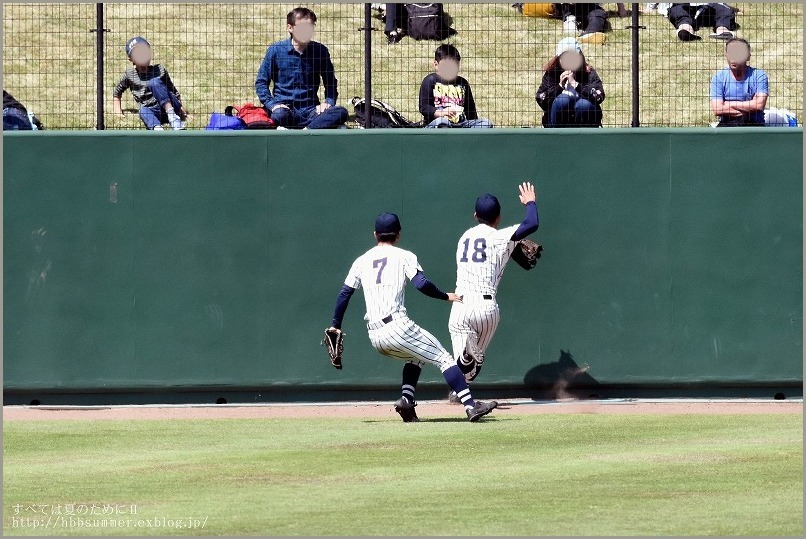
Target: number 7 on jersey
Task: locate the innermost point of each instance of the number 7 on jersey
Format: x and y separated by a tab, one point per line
375	264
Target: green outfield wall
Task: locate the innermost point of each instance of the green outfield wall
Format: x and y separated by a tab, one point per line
174	261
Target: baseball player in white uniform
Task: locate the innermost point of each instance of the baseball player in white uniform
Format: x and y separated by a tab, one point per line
481	256
383	272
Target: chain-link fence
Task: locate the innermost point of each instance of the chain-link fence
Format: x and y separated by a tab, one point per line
213	52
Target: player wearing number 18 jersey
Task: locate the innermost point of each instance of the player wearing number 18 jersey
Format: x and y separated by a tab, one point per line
481	256
383	272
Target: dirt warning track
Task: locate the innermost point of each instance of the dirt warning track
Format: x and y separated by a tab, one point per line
425	409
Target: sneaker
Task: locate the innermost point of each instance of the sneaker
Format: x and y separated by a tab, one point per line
723	35
480	410
685	35
177	125
594	37
394	37
281	128
158	128
453	398
405	408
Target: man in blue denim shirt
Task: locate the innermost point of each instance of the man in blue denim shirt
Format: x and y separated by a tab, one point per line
296	66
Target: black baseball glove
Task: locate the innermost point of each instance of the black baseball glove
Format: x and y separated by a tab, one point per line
526	254
334	340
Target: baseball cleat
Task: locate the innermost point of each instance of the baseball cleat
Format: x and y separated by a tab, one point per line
405	408
453	398
480	410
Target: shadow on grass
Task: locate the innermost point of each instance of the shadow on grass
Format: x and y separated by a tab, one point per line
487	419
458	419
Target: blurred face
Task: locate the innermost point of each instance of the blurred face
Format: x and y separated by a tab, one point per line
302	30
141	55
737	54
571	60
447	68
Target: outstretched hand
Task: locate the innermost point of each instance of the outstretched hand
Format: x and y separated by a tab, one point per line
454	298
527	193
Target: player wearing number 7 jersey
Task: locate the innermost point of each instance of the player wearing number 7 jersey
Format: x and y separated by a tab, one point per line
481	256
383	272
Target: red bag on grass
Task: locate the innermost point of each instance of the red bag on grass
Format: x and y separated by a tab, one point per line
254	117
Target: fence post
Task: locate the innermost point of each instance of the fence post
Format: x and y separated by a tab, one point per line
635	87
368	65
99	60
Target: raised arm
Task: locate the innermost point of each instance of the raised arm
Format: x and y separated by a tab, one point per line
530	222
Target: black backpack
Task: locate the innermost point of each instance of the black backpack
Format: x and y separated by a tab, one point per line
383	115
428	21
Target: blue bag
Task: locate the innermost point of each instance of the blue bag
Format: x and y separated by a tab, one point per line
220	121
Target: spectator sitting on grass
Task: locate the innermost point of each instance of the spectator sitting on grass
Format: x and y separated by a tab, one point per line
395	23
16	117
591	18
688	18
152	89
571	91
739	92
296	65
445	98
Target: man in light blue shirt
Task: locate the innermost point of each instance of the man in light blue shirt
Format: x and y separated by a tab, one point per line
296	65
739	92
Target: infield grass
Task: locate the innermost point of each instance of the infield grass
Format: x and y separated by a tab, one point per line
509	475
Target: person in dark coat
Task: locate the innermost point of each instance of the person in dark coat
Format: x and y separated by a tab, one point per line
16	117
571	92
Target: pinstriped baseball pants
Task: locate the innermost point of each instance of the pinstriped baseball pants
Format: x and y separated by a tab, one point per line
403	339
475	318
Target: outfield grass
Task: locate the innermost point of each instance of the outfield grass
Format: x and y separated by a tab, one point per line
213	52
510	475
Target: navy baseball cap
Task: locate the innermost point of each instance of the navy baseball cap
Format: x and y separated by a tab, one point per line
133	42
387	223
487	208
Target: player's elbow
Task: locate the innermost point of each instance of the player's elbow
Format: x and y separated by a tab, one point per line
761	102
346	292
419	281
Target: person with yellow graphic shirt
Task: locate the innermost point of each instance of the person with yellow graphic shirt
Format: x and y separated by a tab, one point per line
445	98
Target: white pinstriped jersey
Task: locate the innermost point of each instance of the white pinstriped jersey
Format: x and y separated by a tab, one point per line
383	272
481	256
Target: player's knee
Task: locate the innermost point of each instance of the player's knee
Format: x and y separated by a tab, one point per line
446	361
